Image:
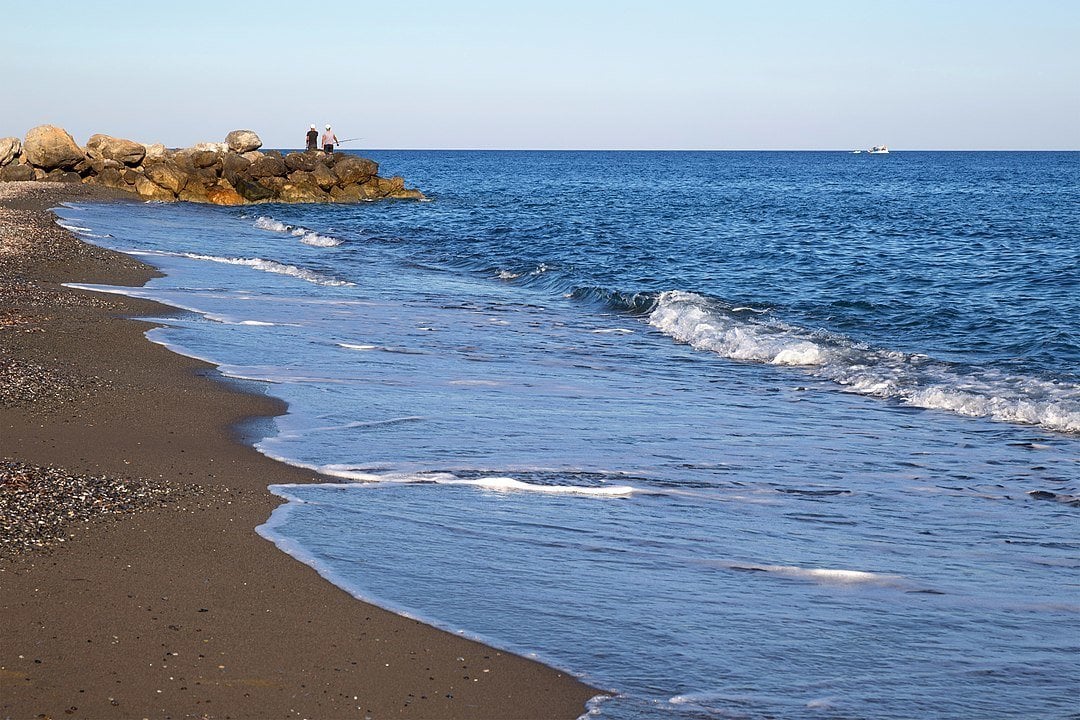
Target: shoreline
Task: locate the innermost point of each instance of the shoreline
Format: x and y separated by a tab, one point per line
180	609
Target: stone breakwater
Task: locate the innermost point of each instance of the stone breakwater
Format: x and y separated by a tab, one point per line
233	172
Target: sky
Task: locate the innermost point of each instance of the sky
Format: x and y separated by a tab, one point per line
552	74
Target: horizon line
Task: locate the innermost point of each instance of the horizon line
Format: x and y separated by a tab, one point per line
839	150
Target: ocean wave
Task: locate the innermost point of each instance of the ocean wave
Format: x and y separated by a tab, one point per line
308	237
266	223
381	348
912	379
827	576
270	266
495	483
511	275
316	240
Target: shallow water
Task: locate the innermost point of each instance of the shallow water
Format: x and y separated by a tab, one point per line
730	434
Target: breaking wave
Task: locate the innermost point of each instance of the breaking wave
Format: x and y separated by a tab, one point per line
270	266
308	237
750	335
495	483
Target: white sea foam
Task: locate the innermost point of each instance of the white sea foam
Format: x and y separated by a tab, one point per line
316	240
271	266
829	576
833	575
689	318
85	232
381	348
913	379
492	483
266	223
308	237
510	275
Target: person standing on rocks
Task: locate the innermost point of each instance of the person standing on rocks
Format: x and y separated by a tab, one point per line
329	140
312	138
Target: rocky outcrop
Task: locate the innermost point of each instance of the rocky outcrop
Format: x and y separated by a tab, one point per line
233	172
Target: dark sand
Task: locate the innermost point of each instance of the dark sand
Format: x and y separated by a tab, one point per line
155	597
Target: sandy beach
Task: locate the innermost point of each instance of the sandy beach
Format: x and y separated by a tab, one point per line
132	581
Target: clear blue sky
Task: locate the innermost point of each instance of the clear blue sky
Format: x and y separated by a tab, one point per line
678	74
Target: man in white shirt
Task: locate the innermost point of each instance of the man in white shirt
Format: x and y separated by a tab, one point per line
329	140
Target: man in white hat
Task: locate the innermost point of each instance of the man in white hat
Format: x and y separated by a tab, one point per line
312	138
329	140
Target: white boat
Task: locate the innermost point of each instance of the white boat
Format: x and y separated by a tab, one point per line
878	150
856	152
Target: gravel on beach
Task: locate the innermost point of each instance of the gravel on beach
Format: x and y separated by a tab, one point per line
40	505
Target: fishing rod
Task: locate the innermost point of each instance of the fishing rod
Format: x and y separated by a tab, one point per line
349	140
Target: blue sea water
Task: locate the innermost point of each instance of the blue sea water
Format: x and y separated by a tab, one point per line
747	435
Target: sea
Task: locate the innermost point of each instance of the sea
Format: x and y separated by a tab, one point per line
725	434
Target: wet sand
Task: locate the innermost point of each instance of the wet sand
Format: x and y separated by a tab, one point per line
132	582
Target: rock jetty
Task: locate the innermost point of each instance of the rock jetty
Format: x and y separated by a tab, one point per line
233	172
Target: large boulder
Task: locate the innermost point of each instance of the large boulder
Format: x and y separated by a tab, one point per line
408	194
252	191
110	177
323	177
205	158
224	194
155	150
182	159
268	166
274	184
49	147
242	141
194	192
107	147
350	169
150	190
301	191
233	166
348	194
392	184
64	176
16	171
303	160
206	177
9	148
211	147
167	174
100	164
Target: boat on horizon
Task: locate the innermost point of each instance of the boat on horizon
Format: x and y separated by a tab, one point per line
878	150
